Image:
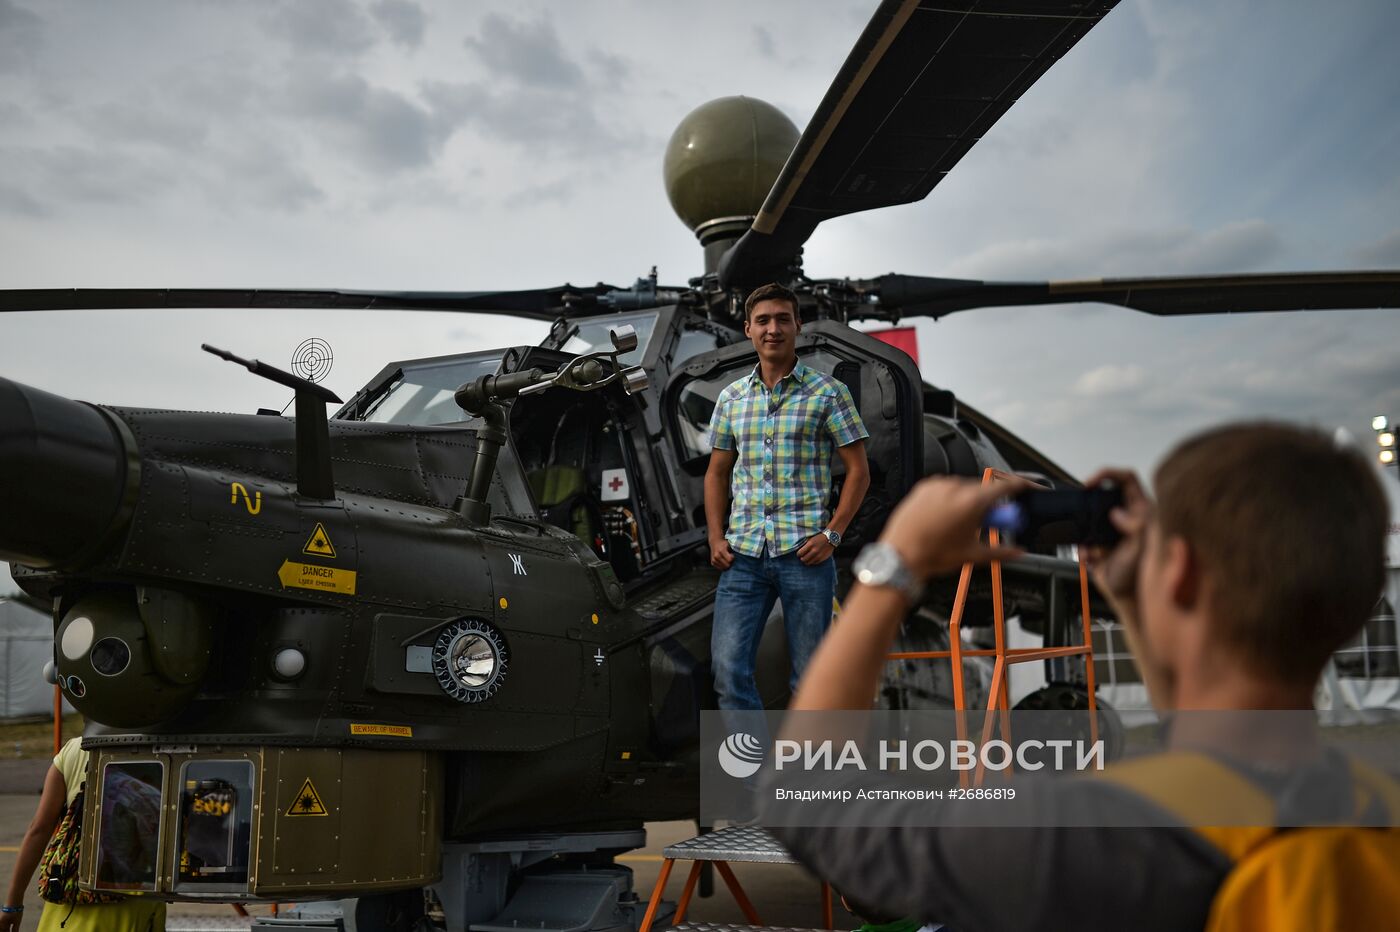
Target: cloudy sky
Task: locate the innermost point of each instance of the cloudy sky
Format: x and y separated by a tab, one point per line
436	145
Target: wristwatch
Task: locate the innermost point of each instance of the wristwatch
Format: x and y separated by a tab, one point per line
833	537
879	565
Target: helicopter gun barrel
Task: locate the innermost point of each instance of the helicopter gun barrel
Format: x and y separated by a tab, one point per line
69	475
475	396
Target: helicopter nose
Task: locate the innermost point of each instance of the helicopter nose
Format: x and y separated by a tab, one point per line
68	477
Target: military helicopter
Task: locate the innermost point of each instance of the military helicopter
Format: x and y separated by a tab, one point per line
461	626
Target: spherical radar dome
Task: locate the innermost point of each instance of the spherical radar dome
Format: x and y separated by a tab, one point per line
723	158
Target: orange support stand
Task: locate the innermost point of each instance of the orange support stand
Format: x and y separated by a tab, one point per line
735	889
999	693
688	892
650	915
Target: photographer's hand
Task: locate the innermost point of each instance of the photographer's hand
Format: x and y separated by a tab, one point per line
1115	571
936	528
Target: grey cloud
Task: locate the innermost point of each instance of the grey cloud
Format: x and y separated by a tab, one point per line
387	130
67	174
763	42
13	116
528	53
1383	253
1239	246
50	181
403	20
329	26
529	117
559	191
226	88
21	31
1301	371
123	121
787	52
16	201
1109	379
1138	423
539	96
611	69
1234	247
259	174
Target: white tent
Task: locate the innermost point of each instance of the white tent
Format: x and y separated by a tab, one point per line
26	644
1365	674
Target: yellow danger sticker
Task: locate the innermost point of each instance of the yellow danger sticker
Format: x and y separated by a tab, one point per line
311	576
308	802
393	731
319	543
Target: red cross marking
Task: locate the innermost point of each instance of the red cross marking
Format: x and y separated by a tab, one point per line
615	483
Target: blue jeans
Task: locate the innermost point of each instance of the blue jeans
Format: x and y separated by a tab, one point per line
746	594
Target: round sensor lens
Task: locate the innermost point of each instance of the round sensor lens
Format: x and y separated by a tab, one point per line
76	687
473	661
110	656
469	660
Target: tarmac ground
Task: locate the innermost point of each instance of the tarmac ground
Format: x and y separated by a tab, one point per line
782	894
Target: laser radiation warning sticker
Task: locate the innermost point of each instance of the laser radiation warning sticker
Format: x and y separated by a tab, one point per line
308	802
319	543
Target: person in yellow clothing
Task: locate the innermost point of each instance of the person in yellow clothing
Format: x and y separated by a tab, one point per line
130	914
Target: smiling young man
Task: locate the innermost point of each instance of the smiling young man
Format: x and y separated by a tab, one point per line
770	475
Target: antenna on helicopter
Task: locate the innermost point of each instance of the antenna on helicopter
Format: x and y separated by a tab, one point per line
314	478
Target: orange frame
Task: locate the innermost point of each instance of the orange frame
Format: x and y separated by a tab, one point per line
730	881
998	695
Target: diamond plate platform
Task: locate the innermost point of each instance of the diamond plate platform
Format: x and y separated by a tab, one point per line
736	843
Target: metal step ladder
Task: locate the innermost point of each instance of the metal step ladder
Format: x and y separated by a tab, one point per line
743	843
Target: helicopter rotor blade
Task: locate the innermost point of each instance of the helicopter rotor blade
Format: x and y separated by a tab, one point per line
922	84
1167	297
539	303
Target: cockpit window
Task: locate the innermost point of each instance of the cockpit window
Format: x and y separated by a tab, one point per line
591	334
422	395
694	341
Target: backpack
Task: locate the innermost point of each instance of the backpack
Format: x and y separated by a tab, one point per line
1281	878
58	868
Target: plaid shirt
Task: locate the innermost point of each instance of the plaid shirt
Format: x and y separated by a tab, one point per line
782	478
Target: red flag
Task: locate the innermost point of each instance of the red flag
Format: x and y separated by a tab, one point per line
904	338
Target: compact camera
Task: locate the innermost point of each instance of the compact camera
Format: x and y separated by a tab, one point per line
1042	518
